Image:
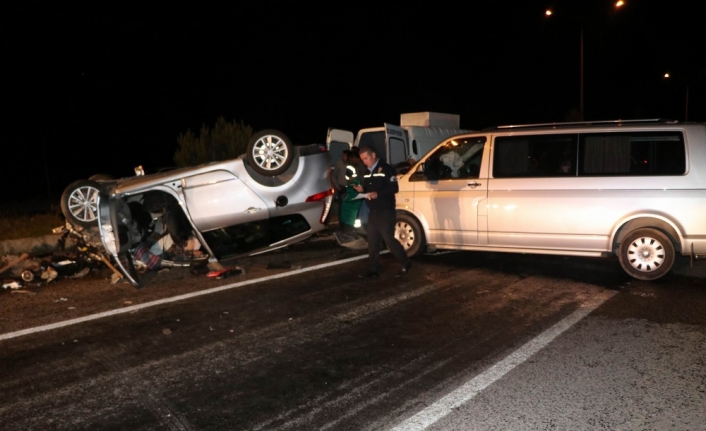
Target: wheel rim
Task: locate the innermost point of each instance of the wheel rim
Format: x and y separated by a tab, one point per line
646	254
83	203
270	152
405	235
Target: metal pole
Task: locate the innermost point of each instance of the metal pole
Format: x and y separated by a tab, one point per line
581	91
686	107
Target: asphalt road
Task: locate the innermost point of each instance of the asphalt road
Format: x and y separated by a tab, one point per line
479	341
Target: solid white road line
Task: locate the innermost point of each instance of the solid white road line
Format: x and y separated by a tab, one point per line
173	299
473	387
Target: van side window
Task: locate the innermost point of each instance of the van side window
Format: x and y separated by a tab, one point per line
632	154
455	159
535	156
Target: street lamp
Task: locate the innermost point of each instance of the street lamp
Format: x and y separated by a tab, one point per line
618	4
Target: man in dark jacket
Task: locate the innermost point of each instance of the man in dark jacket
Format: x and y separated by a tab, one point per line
380	185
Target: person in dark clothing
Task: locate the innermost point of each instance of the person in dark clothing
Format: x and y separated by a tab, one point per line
380	185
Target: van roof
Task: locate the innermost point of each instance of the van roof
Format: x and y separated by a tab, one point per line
583	124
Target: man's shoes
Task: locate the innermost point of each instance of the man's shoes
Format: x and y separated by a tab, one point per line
405	269
369	274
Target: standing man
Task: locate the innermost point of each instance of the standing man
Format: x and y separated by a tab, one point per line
380	183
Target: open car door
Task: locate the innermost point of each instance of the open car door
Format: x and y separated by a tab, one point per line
396	143
337	141
114	223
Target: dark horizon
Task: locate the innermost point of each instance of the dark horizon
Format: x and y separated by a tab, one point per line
104	88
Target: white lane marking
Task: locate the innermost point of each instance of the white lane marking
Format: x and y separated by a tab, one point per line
173	299
473	387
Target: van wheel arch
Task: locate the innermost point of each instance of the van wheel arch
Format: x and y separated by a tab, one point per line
647	222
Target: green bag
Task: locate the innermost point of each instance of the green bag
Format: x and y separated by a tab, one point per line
350	207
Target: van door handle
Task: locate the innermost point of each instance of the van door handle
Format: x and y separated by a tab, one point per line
473	184
252	210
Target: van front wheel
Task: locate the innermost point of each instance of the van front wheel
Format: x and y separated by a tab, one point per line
646	254
409	234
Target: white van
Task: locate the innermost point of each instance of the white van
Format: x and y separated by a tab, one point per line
634	188
417	134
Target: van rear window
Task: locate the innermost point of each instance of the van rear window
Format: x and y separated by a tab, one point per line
632	154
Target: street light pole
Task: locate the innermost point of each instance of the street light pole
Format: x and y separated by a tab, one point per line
686	107
581	91
686	98
548	13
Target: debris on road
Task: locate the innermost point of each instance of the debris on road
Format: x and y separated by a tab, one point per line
75	261
24	291
82	273
199	268
350	240
116	274
27	275
225	272
49	274
14	262
11	284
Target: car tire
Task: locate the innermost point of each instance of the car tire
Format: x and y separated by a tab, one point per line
646	254
410	234
270	152
79	203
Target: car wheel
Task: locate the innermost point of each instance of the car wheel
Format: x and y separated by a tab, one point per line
409	234
270	152
646	254
79	203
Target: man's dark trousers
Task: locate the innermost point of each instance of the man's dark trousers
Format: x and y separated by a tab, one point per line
381	224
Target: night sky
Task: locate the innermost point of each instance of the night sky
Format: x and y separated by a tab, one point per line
102	88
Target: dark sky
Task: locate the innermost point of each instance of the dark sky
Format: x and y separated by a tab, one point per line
102	88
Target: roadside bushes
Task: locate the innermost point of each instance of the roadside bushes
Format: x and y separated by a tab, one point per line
226	140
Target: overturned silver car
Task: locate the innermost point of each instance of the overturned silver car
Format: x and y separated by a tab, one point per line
271	197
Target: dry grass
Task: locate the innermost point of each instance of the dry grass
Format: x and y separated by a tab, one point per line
13	226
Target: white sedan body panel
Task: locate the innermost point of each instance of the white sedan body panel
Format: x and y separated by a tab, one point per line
219	198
